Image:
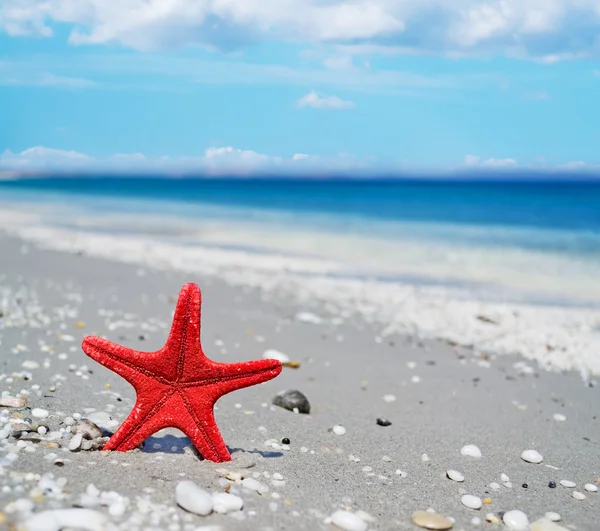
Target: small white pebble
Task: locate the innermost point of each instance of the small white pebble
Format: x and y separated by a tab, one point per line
532	456
567	483
552	516
455	476
40	413
425	458
516	520
578	495
591	488
348	521
471	450
559	417
470	501
339	430
389	398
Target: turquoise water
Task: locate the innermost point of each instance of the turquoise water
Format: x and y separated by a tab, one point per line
538	237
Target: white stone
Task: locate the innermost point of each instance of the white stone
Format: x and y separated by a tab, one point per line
254	484
308	317
455	476
101	419
471	450
494	486
552	516
567	483
532	456
273	354
389	398
339	430
56	520
504	478
30	364
470	501
40	413
559	417
591	488
193	499
75	442
348	521
516	520
226	503
578	495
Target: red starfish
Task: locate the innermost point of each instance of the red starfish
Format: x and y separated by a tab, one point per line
177	386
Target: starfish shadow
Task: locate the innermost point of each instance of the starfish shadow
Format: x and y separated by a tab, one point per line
265	454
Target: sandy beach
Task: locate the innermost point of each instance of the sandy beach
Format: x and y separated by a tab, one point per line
438	398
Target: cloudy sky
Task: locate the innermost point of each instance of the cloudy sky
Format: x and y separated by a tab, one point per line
294	85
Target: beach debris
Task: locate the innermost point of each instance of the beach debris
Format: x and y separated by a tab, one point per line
87	428
578	495
181	360
291	364
470	501
193	499
552	516
292	399
285	440
13	401
429	520
567	483
590	487
40	413
471	450
75	442
348	521
273	354
532	456
226	503
516	520
56	520
338	430
383	422
545	524
309	318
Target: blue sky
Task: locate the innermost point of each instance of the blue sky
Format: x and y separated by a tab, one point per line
299	85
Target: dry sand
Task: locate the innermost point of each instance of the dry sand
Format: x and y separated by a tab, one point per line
445	398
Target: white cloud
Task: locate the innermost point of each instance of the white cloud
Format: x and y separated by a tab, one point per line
216	160
318	101
533	28
474	161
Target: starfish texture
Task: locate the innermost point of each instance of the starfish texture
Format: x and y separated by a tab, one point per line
177	386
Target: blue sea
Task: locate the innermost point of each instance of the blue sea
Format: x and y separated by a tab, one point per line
530	239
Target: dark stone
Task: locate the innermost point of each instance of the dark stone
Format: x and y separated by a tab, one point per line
291	399
285	440
383	422
552	485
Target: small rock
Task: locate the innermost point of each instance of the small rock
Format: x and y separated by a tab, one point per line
30	364
94	444
12	401
101	419
75	442
471	450
40	413
308	317
559	417
193	499
338	430
389	398
254	484
226	503
590	487
470	501
292	399
87	428
552	516
348	521
567	483
578	495
428	520
532	456
383	422
455	476
516	520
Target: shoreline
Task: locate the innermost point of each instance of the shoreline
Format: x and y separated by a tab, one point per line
444	398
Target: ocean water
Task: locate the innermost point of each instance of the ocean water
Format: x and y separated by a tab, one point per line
529	240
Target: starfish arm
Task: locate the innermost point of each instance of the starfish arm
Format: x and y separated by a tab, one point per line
146	418
184	338
203	430
227	377
126	362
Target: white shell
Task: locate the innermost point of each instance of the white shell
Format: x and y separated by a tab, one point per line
591	488
567	483
578	495
532	456
338	430
40	413
193	499
455	476
552	516
348	521
516	520
471	450
470	501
